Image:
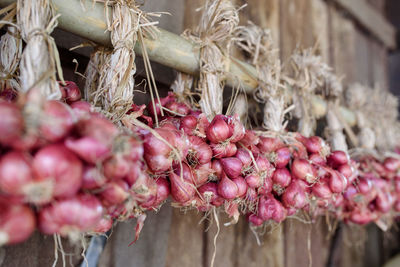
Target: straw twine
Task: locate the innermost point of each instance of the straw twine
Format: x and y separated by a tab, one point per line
356	99
110	75
40	61
257	42
116	81
11	50
214	35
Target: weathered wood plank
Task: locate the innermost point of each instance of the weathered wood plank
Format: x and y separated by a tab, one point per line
264	13
371	19
379	64
343	45
151	248
296	22
237	245
298	235
363	58
185	241
38	251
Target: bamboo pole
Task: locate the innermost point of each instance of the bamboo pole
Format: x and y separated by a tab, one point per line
88	20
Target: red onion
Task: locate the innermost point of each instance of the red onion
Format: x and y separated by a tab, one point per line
199	151
350	193
316	158
186	172
114	193
337	158
346	170
302	169
397	205
81	108
281	179
58	163
158	104
202	125
89	149
57	120
17	223
116	167
253	180
237	128
158	163
188	124
282	157
103	226
294	196
397	184
179	108
264	166
251	195
209	192
338	201
11	123
144	190
8	95
78	214
269	144
227	188
266	187
244	156
163	191
361	216
223	150
270	208
250	139
384	201
241	185
255	220
315	144
154	146
27	142
202	173
391	164
92	178
182	191
337	182
231	166
217	167
218	130
366	188
322	190
170	123
15	172
301	138
72	91
99	128
133	174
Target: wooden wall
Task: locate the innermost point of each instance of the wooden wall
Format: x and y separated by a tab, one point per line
176	238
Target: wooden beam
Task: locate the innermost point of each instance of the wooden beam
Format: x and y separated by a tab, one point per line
167	48
371	19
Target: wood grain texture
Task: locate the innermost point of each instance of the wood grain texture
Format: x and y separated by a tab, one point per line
237	245
371	19
151	248
297	236
296	26
185	240
363	59
343	45
264	13
38	251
